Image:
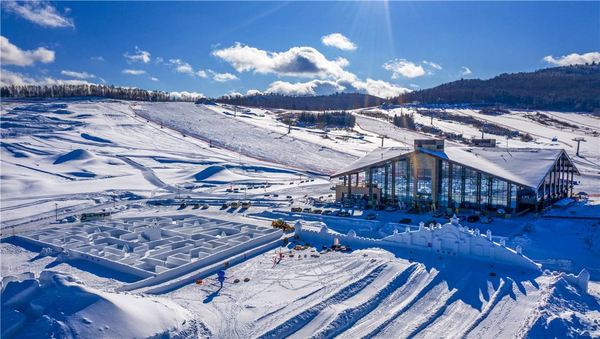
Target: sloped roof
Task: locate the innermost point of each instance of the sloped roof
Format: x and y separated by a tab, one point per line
373	158
524	166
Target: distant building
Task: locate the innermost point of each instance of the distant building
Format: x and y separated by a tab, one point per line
431	176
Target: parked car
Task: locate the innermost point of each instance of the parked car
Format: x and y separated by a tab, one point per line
371	216
296	209
246	204
204	206
317	211
405	221
473	218
306	210
234	204
326	212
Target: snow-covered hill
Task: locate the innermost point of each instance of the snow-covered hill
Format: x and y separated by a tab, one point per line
62	158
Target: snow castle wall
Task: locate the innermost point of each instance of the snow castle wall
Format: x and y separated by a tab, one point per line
450	239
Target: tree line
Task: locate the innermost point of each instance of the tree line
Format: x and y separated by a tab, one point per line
87	90
337	101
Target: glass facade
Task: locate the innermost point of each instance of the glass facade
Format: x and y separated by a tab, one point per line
458	186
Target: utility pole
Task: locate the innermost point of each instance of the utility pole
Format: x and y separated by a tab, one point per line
482	128
56	211
382	137
579	140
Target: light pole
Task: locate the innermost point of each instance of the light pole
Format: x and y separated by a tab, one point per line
56	211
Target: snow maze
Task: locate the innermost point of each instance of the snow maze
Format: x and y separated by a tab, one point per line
154	249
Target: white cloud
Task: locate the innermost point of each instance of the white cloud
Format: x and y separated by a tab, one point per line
405	68
223	77
8	78
78	75
233	94
39	12
153	78
202	73
379	88
186	95
432	64
464	71
138	56
12	55
253	92
574	59
181	66
133	71
297	61
337	40
313	87
414	86
342	62
304	62
97	58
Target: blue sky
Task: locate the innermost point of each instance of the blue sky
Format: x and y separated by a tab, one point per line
382	48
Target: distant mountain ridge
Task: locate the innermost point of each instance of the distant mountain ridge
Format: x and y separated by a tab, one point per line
567	88
338	101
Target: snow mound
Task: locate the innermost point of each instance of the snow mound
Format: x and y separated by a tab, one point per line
565	311
74	155
60	306
218	174
96	139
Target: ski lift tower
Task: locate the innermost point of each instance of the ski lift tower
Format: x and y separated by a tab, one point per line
382	136
579	140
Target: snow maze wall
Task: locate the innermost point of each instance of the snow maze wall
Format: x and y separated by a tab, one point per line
450	239
154	249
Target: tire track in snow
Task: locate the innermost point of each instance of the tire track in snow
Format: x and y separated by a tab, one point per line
502	290
348	317
454	295
431	285
293	324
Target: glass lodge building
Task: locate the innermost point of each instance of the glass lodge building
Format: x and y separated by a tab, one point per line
434	177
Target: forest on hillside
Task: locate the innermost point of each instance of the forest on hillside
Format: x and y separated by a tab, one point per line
568	88
338	101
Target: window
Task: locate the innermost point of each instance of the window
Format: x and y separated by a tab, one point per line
444	184
457	185
499	193
484	190
403	188
471	188
424	188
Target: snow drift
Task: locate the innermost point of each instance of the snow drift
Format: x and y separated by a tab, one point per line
58	305
74	155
